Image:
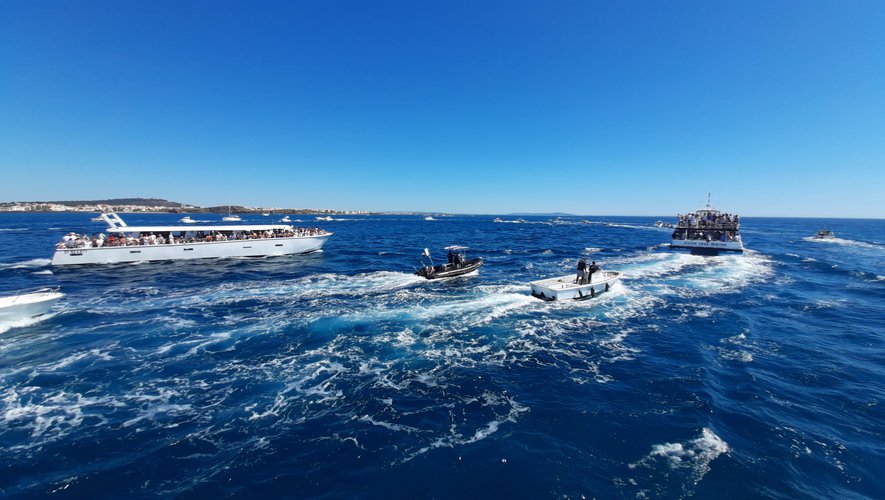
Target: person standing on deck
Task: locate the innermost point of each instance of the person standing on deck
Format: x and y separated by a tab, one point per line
582	266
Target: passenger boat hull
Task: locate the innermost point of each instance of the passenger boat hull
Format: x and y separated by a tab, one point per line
703	247
565	288
204	250
447	271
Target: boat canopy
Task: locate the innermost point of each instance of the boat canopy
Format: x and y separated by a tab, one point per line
192	228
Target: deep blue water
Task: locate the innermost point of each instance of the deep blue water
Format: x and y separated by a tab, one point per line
340	374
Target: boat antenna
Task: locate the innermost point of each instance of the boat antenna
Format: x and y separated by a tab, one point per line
709	204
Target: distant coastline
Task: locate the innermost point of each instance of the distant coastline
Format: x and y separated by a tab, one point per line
155	205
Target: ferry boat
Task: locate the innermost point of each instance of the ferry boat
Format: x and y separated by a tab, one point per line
708	231
155	243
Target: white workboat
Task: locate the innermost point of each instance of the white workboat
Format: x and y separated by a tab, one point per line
185	220
154	243
326	218
708	231
567	288
28	304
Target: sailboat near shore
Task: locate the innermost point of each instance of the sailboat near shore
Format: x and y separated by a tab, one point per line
230	217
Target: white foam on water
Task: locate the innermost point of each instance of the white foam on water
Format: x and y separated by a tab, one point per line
26	264
632	226
693	456
5	326
457	438
842	241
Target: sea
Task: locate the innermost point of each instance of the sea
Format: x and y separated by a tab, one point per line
341	374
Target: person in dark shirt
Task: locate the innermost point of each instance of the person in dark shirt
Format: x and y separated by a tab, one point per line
592	269
582	266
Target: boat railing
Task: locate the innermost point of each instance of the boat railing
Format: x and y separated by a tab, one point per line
113	220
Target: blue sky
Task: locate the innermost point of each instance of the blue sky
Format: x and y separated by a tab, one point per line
589	107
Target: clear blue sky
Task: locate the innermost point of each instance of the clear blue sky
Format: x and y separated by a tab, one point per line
590	107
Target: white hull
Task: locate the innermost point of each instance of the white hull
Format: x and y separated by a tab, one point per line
205	250
705	246
565	288
27	305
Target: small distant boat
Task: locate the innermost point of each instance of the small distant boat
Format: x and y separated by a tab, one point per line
28	304
457	265
661	223
286	219
428	218
97	219
497	219
567	287
230	217
265	214
824	234
187	220
326	218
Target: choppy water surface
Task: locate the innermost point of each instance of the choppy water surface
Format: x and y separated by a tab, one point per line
342	374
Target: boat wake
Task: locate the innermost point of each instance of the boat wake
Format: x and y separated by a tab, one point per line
5	326
26	264
842	241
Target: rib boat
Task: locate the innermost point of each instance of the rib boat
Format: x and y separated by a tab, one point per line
457	265
155	243
708	231
568	288
28	304
824	234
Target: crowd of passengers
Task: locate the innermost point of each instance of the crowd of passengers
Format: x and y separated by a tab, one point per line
73	240
709	221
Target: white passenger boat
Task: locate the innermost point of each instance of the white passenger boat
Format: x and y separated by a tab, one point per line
286	219
568	288
326	218
28	304
429	217
708	231
186	220
152	243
